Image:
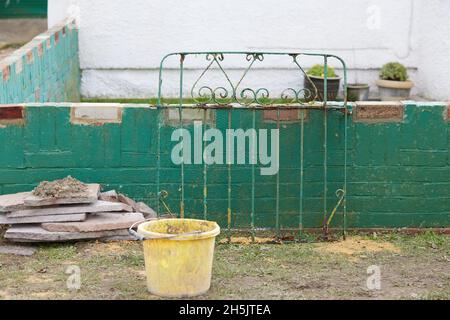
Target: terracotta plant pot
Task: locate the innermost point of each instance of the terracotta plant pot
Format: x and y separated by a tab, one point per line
394	90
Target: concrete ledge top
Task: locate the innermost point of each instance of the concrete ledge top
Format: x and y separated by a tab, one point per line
153	106
79	105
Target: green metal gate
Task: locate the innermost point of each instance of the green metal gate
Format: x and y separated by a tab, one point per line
232	94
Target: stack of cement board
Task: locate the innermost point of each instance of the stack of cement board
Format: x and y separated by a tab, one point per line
92	215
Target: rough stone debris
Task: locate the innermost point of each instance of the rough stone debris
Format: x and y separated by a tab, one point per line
98	206
68	210
97	222
63	188
10	202
35	233
17	250
45	218
138	206
92	193
124	199
145	210
109	196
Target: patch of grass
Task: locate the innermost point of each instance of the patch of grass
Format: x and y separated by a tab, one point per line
433	238
120	100
308	237
152	101
57	252
132	259
436	296
422	242
4	46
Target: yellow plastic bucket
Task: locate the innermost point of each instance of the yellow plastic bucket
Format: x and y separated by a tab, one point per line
178	255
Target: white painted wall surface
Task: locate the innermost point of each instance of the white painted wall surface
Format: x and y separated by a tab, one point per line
122	42
434	54
59	9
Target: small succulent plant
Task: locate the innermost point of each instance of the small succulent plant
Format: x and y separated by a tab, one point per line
317	70
394	71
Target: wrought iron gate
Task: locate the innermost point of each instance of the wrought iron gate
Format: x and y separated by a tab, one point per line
233	94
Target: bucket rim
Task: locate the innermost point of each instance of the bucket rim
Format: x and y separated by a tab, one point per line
149	235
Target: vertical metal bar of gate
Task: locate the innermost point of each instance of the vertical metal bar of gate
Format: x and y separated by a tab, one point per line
205	178
300	221
158	142
229	178
253	155
180	111
158	160
325	137
277	203
344	214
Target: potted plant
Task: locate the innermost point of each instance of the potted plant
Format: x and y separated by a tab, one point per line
315	77
393	83
357	92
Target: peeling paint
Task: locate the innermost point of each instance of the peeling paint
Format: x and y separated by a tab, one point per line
378	112
95	116
292	115
11	115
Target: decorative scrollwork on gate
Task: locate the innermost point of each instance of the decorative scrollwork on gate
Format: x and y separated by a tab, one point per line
234	92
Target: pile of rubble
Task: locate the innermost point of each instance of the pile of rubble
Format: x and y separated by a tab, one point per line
68	209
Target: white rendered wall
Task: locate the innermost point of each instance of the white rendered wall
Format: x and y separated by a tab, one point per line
434	59
122	42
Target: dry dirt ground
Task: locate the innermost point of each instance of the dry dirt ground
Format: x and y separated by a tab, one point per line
16	32
7	49
411	267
